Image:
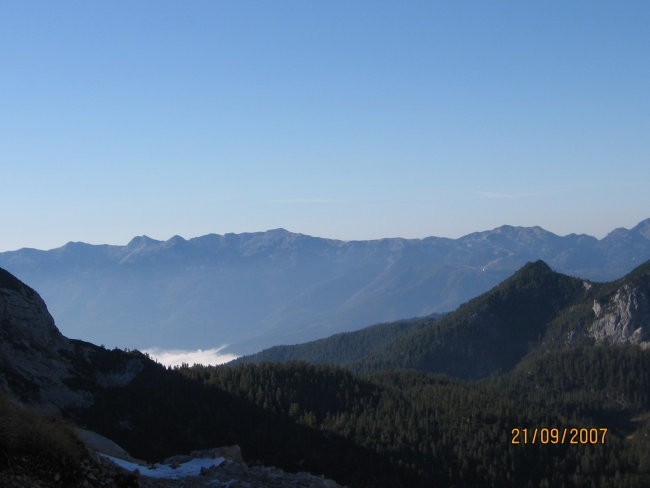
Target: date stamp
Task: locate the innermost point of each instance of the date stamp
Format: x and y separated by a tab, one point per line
558	435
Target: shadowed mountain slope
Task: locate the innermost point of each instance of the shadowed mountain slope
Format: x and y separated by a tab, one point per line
534	311
392	429
341	349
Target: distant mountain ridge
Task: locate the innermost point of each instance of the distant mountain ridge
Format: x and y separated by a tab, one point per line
255	290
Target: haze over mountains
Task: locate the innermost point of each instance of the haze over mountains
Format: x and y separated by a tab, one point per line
558	352
531	313
256	290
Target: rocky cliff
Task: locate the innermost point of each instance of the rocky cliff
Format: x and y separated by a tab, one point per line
32	350
624	317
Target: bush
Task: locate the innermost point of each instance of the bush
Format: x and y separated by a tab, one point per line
23	432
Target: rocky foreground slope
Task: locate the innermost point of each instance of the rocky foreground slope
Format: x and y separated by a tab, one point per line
42	374
390	429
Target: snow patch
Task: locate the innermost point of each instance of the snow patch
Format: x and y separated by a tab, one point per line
190	468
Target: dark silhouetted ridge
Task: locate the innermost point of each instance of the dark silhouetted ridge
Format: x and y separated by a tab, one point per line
9	281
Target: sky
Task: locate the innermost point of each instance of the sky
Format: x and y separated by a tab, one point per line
341	119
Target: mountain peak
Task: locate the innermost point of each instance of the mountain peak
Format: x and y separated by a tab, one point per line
533	272
640	230
536	266
176	239
511	230
280	231
140	242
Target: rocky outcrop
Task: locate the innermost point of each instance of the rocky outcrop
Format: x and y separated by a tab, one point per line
227	468
624	318
39	365
32	350
231	474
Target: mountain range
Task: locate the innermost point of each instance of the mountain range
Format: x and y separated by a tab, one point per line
257	290
541	350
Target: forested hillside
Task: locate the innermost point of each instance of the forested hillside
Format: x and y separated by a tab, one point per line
448	432
400	428
576	415
343	349
534	311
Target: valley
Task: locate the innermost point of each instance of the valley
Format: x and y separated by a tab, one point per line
420	402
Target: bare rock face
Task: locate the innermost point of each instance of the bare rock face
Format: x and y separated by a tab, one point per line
39	365
32	365
624	318
24	316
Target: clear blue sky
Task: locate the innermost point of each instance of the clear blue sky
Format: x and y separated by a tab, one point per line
351	119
